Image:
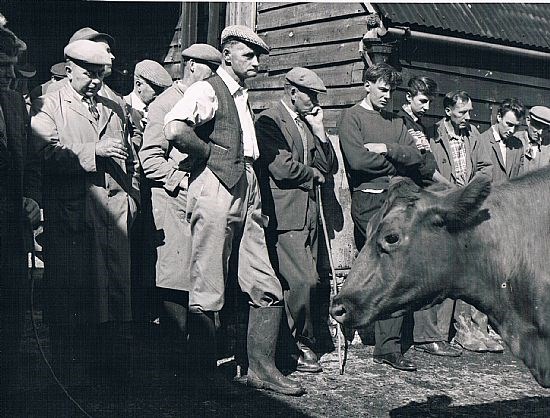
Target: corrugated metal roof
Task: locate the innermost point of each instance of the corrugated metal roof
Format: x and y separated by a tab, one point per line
509	23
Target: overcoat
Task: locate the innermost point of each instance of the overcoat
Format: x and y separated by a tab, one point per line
89	204
514	156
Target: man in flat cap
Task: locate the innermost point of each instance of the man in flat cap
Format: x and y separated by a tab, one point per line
295	156
213	123
166	173
91	196
19	194
150	79
535	139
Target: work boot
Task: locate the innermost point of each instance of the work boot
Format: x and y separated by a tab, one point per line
468	335
203	378
482	322
263	329
308	361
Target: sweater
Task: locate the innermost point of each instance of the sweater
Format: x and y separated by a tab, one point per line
369	170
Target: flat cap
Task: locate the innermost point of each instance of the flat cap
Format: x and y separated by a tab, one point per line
87	51
10	45
26	70
58	69
243	34
203	52
153	72
302	77
92	35
540	114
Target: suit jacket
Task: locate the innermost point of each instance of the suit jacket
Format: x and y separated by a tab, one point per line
514	156
286	182
478	152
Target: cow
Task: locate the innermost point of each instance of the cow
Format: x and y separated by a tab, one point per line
485	245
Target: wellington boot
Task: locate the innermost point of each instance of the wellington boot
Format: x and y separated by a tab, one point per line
263	329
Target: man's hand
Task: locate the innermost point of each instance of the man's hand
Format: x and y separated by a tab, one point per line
318	176
110	147
315	120
32	211
376	147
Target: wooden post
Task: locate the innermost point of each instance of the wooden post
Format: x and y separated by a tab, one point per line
189	11
213	24
241	13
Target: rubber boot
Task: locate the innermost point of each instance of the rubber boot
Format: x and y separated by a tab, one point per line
263	329
482	322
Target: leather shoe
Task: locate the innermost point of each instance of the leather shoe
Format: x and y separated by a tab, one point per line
439	348
308	361
396	360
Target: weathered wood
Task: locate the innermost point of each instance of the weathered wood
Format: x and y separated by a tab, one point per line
285	59
189	24
176	39
486	89
213	23
340	30
265	6
337	75
241	13
174	70
310	12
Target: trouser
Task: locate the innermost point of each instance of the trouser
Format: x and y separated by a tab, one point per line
433	324
387	333
296	262
224	221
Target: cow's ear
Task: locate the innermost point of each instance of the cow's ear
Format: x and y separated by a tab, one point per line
461	207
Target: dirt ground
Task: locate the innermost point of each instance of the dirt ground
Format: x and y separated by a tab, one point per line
474	385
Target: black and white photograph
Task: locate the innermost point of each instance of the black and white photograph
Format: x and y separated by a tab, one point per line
274	209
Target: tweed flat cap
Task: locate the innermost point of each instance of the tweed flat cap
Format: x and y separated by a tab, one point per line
243	34
87	51
92	35
153	72
203	52
307	79
58	69
540	114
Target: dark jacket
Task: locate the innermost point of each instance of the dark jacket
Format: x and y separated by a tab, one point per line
514	156
286	182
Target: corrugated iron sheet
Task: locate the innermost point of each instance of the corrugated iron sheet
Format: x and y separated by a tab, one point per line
525	24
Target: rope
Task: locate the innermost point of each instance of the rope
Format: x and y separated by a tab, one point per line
35	329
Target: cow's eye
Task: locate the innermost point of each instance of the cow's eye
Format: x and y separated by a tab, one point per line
391	238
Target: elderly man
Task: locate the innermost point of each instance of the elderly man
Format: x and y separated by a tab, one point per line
295	155
460	154
150	80
536	141
164	168
213	124
18	178
90	200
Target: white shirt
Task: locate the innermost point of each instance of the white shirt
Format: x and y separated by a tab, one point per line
501	144
137	103
199	105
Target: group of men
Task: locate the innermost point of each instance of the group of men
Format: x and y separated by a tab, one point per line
184	169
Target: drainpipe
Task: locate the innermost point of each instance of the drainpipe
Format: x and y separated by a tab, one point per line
486	46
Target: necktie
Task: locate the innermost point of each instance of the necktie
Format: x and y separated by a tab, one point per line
302	130
91	107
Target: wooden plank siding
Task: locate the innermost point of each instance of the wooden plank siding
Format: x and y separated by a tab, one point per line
325	37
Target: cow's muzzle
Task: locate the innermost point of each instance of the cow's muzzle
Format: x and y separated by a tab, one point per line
338	311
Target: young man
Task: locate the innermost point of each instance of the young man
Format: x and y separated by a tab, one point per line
164	168
460	154
536	141
213	124
506	149
431	330
376	145
295	155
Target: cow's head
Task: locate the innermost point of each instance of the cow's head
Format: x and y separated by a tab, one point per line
410	255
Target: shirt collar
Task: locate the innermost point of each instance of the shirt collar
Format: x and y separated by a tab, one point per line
231	84
408	111
292	113
451	131
137	103
496	134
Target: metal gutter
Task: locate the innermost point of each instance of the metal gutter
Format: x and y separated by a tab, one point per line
424	36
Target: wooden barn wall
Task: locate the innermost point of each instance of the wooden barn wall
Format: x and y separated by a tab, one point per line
325	37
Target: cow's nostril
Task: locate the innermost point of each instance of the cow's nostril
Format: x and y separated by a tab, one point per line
338	311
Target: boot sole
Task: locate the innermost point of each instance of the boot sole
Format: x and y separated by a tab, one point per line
434	353
260	384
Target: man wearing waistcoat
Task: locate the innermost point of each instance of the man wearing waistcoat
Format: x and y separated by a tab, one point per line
213	123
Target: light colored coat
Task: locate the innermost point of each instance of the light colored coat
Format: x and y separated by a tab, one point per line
89	206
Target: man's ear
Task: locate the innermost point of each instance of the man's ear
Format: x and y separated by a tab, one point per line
367	85
408	97
226	55
448	111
